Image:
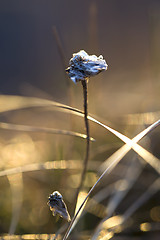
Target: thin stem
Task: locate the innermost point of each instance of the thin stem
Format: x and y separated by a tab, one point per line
85	96
61	52
86	198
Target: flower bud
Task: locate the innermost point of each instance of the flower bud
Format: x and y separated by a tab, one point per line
58	206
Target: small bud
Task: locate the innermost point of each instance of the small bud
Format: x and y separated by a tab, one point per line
58	206
83	66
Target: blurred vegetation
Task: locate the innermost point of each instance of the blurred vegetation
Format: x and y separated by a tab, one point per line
126	97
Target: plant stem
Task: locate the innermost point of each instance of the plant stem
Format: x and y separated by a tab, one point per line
85	96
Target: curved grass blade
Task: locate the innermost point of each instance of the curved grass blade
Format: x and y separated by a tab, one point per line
114	160
12	103
18	102
147	156
97	198
134	170
153	189
62	164
25	128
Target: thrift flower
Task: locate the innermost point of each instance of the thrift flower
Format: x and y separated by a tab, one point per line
83	66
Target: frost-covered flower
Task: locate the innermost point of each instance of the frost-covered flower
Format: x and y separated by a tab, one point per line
58	206
82	66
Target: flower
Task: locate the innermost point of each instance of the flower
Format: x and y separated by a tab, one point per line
83	66
58	206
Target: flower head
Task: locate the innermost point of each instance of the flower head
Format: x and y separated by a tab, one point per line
58	206
82	66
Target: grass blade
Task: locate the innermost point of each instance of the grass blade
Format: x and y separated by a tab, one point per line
62	164
18	102
114	159
16	184
153	189
24	128
147	156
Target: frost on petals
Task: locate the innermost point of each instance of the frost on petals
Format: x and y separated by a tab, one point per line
82	66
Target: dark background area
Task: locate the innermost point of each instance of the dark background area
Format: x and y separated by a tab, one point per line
126	33
123	31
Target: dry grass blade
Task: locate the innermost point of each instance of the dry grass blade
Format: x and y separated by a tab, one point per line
28	236
115	158
134	170
16	184
97	198
153	189
25	128
147	156
18	102
62	164
11	102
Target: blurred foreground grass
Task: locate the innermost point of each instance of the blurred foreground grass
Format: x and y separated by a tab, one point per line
33	164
